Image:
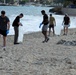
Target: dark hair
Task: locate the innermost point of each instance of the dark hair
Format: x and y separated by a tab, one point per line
43	11
21	14
50	14
3	12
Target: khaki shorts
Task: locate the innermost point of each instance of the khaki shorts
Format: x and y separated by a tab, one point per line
45	27
66	25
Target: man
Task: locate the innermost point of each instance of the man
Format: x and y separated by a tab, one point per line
45	26
16	24
52	23
66	22
4	27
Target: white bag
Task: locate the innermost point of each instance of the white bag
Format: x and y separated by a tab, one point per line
21	33
58	30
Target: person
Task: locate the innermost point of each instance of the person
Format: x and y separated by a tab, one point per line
16	24
52	24
66	23
4	27
45	25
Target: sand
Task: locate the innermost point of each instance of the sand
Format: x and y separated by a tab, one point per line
33	57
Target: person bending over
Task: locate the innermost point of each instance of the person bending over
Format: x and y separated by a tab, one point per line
16	24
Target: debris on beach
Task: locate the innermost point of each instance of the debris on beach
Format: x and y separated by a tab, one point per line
67	43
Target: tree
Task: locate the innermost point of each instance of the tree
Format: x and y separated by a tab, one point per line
73	1
23	1
68	2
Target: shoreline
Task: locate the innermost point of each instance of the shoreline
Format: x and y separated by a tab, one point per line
70	29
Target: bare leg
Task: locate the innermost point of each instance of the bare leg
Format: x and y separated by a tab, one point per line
4	41
49	31
45	35
53	31
64	30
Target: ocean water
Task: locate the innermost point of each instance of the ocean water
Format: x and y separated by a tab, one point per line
32	18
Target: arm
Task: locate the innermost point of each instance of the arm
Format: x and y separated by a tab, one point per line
40	25
63	21
69	20
8	25
20	24
54	22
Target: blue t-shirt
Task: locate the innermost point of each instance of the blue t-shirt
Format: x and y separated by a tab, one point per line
3	22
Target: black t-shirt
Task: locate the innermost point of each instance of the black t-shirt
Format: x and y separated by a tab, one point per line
16	21
3	22
66	20
45	19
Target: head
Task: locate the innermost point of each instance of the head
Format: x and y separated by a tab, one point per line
43	12
21	15
3	13
50	14
66	15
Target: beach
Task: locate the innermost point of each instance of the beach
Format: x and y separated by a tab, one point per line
32	57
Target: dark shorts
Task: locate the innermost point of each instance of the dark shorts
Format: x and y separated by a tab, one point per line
51	26
3	32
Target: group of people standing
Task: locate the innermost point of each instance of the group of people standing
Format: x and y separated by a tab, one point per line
51	23
5	26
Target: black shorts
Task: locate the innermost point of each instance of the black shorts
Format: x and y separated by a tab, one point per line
3	32
51	26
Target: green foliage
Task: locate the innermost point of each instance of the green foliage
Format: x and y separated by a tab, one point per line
7	1
25	0
66	3
47	2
